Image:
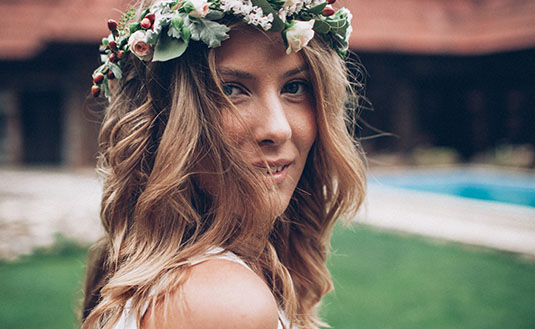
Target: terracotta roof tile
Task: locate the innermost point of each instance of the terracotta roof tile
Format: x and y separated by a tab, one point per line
438	26
430	26
30	24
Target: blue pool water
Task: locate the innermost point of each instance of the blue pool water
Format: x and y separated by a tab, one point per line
513	188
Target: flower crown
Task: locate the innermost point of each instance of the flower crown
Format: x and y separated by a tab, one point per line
166	28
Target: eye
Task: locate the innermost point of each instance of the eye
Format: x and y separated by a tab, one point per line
298	87
232	90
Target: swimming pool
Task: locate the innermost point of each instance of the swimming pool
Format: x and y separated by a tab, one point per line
482	184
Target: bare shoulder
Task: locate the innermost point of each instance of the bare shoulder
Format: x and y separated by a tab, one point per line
219	294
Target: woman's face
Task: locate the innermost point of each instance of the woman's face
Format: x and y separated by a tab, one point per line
273	96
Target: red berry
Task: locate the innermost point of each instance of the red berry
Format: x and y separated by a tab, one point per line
145	23
113	58
112	45
120	54
98	78
151	17
331	1
95	90
328	11
110	75
112	25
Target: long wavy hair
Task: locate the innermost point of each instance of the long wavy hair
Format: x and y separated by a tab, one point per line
160	133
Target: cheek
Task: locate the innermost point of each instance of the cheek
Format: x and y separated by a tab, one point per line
236	131
305	130
232	129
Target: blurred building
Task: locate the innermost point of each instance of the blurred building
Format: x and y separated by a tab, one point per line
48	51
458	73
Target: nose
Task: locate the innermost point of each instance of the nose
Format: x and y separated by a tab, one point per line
273	125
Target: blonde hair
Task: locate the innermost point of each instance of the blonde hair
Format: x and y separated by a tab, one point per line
160	133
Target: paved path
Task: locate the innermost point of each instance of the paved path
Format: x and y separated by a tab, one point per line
36	205
490	224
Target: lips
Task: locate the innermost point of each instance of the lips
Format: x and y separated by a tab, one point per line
272	170
276	168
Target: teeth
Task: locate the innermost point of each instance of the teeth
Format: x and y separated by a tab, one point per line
274	170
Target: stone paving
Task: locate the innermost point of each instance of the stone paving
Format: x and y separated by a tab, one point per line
38	204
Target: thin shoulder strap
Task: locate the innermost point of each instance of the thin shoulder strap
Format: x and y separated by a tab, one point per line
219	253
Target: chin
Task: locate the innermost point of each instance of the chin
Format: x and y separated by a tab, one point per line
281	204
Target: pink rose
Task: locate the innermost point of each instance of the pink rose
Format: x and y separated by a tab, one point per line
299	35
139	46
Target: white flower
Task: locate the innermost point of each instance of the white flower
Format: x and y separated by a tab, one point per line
299	35
139	46
289	3
200	8
251	14
349	16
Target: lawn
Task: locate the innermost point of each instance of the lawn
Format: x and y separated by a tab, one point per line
383	280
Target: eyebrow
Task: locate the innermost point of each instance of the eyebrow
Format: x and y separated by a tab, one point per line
296	71
246	75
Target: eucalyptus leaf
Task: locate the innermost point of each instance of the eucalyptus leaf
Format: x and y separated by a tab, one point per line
99	70
209	32
106	89
168	48
116	70
321	27
277	25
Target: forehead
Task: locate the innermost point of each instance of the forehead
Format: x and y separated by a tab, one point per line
252	49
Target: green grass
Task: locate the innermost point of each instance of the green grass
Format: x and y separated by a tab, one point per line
382	280
42	291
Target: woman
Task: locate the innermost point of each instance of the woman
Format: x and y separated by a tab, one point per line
226	164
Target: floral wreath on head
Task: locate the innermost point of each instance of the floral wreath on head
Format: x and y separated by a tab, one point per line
166	28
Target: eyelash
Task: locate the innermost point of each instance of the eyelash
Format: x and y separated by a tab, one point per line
303	86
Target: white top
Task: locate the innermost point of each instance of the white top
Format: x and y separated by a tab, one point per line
128	318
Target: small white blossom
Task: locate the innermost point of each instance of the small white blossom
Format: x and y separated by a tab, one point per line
251	14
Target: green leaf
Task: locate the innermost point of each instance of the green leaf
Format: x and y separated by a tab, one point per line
317	9
145	13
209	32
214	15
133	27
175	27
321	27
277	25
116	70
277	4
339	25
186	33
177	21
168	48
